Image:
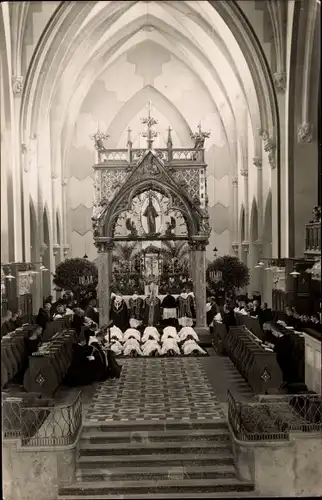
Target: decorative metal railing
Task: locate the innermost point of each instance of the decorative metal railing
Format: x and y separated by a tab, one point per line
313	237
41	426
274	418
121	156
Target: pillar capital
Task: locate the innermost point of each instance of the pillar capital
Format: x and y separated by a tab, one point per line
244	172
104	245
245	246
304	132
235	246
64	182
198	245
65	250
234	181
56	249
17	85
280	81
257	162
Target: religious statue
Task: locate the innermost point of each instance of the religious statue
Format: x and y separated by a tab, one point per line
130	226
170	227
151	214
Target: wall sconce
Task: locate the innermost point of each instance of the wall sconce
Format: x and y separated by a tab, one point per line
260	264
295	273
215	252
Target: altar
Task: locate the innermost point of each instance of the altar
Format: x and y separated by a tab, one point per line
151	201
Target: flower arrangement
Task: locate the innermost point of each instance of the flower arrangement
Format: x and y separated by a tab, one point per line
226	274
78	275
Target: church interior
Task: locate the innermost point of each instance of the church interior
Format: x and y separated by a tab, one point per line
160	249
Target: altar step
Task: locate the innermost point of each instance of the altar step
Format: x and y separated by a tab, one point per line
155	459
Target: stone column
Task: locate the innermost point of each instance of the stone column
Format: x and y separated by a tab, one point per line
199	258
193	267
235	245
104	264
258	164
64	183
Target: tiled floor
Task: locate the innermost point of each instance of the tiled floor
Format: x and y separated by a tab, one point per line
156	389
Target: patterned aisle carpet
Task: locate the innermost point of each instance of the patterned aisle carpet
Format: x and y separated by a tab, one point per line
156	389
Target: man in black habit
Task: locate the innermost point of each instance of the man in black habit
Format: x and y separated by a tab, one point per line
169	306
136	309
119	313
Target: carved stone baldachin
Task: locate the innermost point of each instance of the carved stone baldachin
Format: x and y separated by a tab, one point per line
17	85
304	133
280	82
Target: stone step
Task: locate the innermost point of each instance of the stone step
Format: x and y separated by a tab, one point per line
141	448
162	486
156	473
92	436
164	496
147	425
222	456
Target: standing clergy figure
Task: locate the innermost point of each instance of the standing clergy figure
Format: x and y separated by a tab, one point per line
169	306
152	310
186	309
119	313
136	306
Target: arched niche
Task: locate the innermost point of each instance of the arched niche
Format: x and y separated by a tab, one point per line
46	256
178	201
254	222
267	250
34	257
242	224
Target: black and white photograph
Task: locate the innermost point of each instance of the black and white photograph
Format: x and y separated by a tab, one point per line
160	249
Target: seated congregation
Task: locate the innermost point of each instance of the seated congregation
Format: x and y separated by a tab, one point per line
268	333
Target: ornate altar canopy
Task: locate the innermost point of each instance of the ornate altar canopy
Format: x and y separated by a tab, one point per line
150	194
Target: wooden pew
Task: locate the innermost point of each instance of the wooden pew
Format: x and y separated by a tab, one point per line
12	354
53	327
48	366
251	323
255	362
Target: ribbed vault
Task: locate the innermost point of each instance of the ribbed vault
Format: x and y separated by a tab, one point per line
83	39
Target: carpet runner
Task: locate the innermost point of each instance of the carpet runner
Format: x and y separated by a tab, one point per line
157	432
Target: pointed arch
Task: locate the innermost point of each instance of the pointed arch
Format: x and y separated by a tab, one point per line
133	106
162	182
254	222
58	228
34	233
47	253
242	224
267	232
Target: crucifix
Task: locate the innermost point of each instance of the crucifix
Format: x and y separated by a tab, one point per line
149	122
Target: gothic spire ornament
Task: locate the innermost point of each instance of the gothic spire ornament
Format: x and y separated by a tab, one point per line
150	133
